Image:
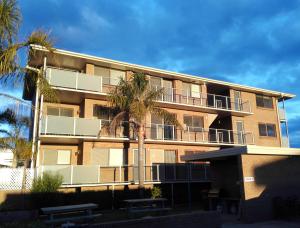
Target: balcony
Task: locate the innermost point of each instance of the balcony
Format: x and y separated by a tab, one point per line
81	127
281	113
71	80
205	100
155	173
198	135
76	81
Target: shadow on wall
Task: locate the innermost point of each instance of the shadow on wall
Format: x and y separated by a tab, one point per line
281	180
106	198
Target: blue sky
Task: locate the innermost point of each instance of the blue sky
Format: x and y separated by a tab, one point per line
255	43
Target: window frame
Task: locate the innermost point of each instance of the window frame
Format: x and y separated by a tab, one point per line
59	110
266	130
193	121
264	101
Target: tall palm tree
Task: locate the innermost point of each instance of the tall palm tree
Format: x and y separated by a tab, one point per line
13	136
134	99
10	47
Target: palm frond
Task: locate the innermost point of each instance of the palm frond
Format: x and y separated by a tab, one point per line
10	19
169	118
42	38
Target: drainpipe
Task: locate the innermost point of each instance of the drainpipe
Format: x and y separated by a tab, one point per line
286	123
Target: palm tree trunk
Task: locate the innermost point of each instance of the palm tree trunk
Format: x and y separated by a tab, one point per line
141	160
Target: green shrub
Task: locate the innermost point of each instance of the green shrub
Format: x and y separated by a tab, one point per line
156	192
49	182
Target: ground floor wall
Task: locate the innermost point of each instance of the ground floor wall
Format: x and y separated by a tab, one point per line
80	154
265	179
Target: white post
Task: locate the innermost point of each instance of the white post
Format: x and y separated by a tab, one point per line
157	168
217	137
214	98
226	100
173	136
229	137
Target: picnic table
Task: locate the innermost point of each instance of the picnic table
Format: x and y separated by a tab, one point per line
145	205
52	212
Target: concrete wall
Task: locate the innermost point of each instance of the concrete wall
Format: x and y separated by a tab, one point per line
273	176
260	115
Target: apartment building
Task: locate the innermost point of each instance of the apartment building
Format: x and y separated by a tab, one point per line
71	136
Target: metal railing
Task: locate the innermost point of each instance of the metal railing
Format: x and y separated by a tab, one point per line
282	115
197	135
96	174
74	126
285	141
208	100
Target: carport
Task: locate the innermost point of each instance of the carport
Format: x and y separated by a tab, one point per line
255	175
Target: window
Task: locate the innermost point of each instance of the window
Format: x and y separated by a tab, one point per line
267	129
57	157
103	113
191	90
162	156
264	101
193	123
107	157
63	157
59	111
109	76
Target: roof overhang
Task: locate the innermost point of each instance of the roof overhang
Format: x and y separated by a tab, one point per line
74	59
250	149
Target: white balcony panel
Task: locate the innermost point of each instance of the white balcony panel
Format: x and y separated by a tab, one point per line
61	78
87	127
87	174
60	125
89	83
63	170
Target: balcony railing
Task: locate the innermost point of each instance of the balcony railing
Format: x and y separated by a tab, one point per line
282	115
96	174
73	126
78	81
83	82
198	135
204	100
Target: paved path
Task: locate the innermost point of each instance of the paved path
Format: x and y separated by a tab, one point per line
267	224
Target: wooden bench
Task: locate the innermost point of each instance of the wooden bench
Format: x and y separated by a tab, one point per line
70	210
139	206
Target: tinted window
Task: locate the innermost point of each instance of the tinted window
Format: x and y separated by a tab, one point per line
267	130
264	101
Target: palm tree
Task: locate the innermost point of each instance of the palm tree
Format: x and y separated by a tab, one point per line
134	99
10	67
13	136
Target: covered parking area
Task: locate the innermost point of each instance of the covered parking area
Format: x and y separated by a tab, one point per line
253	175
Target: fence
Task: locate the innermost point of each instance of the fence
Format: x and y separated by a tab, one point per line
12	178
84	175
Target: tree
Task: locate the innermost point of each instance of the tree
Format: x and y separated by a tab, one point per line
10	67
13	138
134	99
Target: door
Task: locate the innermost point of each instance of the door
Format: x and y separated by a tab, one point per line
240	132
168	90
237	101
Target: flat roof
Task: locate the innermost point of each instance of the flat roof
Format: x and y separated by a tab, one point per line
135	67
250	149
